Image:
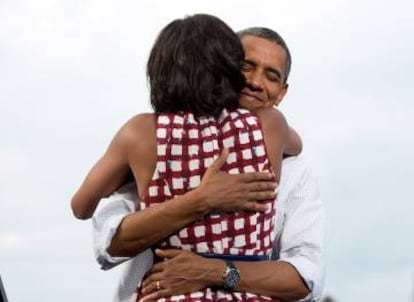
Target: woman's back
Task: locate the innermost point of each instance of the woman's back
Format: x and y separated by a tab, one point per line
186	147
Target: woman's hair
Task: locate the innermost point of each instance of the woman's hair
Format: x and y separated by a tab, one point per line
195	66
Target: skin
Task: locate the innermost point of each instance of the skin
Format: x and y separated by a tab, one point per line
184	272
264	70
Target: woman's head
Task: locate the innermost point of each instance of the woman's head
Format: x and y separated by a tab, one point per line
195	65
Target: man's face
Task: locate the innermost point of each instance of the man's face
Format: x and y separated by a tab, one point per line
264	70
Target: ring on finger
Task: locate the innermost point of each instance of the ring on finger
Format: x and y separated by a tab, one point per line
158	285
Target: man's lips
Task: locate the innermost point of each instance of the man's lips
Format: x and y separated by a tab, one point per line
252	95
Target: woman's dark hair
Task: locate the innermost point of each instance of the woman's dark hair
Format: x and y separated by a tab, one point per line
195	66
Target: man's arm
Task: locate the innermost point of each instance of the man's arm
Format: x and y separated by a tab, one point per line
186	272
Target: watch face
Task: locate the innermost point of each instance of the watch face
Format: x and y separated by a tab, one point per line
232	278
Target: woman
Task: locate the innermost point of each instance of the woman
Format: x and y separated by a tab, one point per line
195	77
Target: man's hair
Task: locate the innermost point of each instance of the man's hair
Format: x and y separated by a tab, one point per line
272	36
195	66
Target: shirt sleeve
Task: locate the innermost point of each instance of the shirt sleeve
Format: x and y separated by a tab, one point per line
301	241
106	220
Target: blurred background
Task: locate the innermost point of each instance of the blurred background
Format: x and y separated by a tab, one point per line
72	72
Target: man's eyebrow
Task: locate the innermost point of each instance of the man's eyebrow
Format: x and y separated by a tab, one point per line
248	61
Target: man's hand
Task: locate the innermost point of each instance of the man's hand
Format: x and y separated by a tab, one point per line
181	272
232	193
184	272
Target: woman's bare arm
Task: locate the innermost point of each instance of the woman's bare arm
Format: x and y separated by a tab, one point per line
276	136
111	170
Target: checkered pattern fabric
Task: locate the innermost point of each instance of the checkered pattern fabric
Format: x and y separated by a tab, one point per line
186	147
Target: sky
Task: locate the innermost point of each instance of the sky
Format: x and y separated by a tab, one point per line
72	72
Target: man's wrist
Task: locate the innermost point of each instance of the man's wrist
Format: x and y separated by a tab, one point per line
214	269
231	276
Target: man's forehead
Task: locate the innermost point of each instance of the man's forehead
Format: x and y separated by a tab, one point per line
264	51
272	48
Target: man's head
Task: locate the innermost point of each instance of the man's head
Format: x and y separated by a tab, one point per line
195	65
266	68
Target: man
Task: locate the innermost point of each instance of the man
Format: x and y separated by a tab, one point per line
296	272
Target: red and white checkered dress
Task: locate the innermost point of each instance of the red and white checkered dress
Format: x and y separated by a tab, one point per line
186	146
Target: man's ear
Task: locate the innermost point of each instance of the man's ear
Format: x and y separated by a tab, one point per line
281	95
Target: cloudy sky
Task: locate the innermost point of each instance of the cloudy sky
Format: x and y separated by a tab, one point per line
72	72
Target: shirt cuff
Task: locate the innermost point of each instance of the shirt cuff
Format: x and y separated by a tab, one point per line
103	240
308	272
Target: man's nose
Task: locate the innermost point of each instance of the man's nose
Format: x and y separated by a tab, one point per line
255	80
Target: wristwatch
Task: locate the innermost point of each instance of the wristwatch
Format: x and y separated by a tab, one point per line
231	276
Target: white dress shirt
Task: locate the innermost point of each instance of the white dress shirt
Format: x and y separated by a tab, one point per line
299	230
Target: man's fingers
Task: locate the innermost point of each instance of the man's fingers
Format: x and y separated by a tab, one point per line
254	206
262	186
167	253
220	161
156	295
158	267
153	277
255	176
164	254
261	195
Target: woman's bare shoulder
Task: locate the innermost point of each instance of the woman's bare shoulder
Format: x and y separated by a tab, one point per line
138	121
139	124
138	130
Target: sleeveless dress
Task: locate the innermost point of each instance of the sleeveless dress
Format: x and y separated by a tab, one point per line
186	147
